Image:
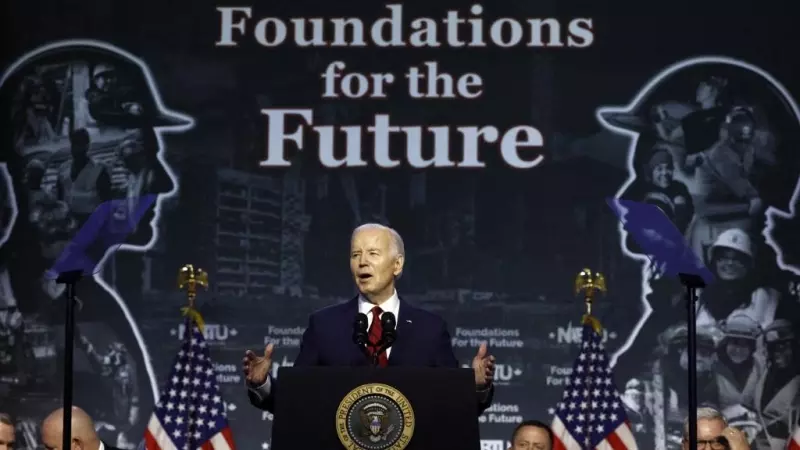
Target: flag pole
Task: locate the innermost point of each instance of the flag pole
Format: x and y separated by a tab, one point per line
189	278
589	284
604	418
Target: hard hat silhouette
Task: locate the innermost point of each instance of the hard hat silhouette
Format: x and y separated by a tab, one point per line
669	109
740	325
102	69
132	102
671	95
734	239
677	336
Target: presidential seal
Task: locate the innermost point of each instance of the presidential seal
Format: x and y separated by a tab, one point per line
375	417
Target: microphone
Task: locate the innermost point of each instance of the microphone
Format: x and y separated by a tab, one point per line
389	326
360	335
388	335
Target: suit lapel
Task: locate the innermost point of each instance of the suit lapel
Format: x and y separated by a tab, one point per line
405	325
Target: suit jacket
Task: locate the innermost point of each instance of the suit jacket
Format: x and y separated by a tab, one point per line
422	341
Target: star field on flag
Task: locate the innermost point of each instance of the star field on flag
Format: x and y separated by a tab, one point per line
190	414
591	414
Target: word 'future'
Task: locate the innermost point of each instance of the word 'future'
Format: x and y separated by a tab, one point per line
423	83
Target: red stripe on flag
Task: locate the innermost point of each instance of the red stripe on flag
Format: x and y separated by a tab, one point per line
150	442
793	445
226	433
557	444
615	442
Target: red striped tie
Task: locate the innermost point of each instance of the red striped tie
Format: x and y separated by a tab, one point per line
375	332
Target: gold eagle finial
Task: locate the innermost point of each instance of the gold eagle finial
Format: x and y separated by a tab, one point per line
589	283
190	278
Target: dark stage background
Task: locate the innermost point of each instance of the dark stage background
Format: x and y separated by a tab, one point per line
493	250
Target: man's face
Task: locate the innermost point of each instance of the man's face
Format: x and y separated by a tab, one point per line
739	350
662	175
730	264
780	354
741	129
708	430
706	94
132	155
7	437
374	262
143	146
705	359
104	81
531	438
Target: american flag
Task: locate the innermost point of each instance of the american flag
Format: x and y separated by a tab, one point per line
591	414
794	442
190	414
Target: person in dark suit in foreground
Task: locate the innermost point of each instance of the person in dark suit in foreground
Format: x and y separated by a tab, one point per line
84	436
377	256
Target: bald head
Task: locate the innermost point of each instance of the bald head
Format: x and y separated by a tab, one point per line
83	433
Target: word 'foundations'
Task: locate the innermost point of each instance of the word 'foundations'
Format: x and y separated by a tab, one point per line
452	30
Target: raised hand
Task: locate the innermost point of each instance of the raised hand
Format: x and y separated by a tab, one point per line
483	365
737	440
256	368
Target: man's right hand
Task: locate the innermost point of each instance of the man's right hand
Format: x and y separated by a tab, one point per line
737	440
256	368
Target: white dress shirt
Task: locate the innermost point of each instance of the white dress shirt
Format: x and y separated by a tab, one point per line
391	305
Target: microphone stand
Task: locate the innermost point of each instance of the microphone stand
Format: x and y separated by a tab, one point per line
364	348
380	348
375	358
692	283
70	279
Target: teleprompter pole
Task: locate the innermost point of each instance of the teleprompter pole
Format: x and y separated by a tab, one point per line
70	279
692	283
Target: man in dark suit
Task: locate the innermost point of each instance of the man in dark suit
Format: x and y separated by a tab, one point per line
83	434
377	255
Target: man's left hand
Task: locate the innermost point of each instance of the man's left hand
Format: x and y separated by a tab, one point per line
737	440
483	365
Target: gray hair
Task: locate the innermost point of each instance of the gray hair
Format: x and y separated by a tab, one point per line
704	413
5	419
397	242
